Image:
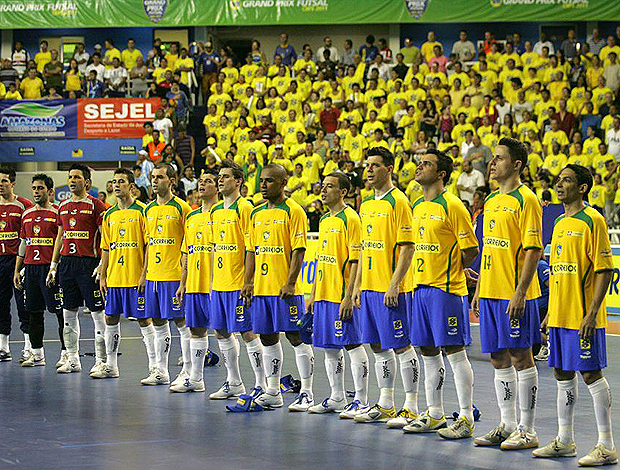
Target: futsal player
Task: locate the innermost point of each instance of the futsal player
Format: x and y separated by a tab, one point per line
581	267
77	246
336	321
445	244
506	296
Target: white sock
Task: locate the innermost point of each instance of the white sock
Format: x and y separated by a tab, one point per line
112	342
162	346
148	338
99	321
410	374
601	395
334	366
528	390
71	333
505	391
434	377
186	336
272	356
4	342
27	344
38	353
198	347
567	399
359	370
304	357
255	354
385	363
229	347
464	382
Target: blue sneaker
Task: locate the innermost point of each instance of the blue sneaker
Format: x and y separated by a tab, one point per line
353	409
328	406
256	391
302	402
211	359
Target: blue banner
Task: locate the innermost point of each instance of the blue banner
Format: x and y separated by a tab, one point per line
52	119
86	150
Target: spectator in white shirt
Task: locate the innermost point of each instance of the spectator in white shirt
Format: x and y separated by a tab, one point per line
503	107
543	43
333	51
115	79
81	57
463	48
467	143
20	58
595	42
163	124
470	180
96	65
613	139
189	180
381	67
612	72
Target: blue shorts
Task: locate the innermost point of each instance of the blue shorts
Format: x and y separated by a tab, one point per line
124	300
567	351
271	314
197	309
498	332
439	318
228	312
329	331
380	324
161	302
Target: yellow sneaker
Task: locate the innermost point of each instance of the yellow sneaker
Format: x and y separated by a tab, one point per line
376	414
402	419
599	455
426	423
460	429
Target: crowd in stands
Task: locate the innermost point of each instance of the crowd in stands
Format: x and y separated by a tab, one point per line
320	110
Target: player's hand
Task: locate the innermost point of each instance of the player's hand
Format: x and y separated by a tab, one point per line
179	294
516	306
97	273
475	306
390	299
471	276
287	291
310	306
345	312
17	281
357	298
103	286
142	284
543	324
588	327
50	280
247	292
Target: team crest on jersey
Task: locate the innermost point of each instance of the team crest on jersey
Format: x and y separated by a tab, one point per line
453	321
222	234
198	235
36	229
514	323
72	222
558	250
2	224
368	229
492	224
421	231
266	235
584	344
324	244
160	228
121	232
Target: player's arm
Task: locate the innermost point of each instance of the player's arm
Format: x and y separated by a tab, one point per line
468	255
297	259
248	278
516	306
346	306
19	263
103	266
51	275
357	293
310	303
180	293
142	281
402	266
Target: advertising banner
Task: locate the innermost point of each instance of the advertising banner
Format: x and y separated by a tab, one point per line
114	118
52	119
70	150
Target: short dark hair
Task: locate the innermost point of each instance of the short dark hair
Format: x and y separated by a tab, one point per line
10	172
83	168
444	163
47	181
385	154
170	171
210	171
344	182
237	171
127	173
516	150
584	176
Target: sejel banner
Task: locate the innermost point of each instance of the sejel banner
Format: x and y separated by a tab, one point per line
24	14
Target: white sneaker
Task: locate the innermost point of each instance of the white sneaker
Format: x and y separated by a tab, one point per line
105	371
188	385
72	365
228	391
556	448
34	361
267	400
180	378
96	366
328	406
25	355
520	439
63	358
352	409
302	403
156	377
403	418
543	354
599	455
460	429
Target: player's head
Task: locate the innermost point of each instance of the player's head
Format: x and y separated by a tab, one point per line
434	167
335	188
509	160
273	180
230	178
163	177
380	166
207	184
42	189
122	181
79	179
574	183
7	181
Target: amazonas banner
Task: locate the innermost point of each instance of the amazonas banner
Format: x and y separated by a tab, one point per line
24	120
131	13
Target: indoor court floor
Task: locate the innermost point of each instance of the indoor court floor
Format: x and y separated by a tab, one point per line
52	421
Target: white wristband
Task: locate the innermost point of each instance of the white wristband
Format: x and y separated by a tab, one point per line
53	266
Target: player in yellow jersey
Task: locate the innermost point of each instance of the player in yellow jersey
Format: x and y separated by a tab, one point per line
122	262
581	270
195	285
273	287
445	244
336	321
383	287
506	296
165	227
231	246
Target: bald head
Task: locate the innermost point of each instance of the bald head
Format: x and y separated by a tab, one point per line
276	171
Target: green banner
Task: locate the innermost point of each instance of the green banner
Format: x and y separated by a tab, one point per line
18	14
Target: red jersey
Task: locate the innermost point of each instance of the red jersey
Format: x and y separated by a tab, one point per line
80	221
39	229
10	222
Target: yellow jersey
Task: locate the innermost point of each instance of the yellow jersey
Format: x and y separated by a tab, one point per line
275	233
123	237
165	227
339	246
512	224
441	230
579	249
231	240
386	226
198	246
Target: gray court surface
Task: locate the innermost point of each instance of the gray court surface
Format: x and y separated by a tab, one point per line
52	421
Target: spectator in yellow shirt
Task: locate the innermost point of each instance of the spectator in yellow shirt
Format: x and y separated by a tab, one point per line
555	135
130	55
32	86
43	56
13	93
428	46
110	53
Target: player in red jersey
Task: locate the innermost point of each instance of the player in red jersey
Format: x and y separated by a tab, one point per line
39	227
11	209
77	247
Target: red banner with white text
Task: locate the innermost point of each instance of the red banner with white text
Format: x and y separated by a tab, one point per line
114	118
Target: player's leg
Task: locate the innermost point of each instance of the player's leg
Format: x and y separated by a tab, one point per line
93	299
146	329
254	349
37	358
6	292
185	339
34	303
112	338
153	309
53	301
359	371
71	300
24	323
